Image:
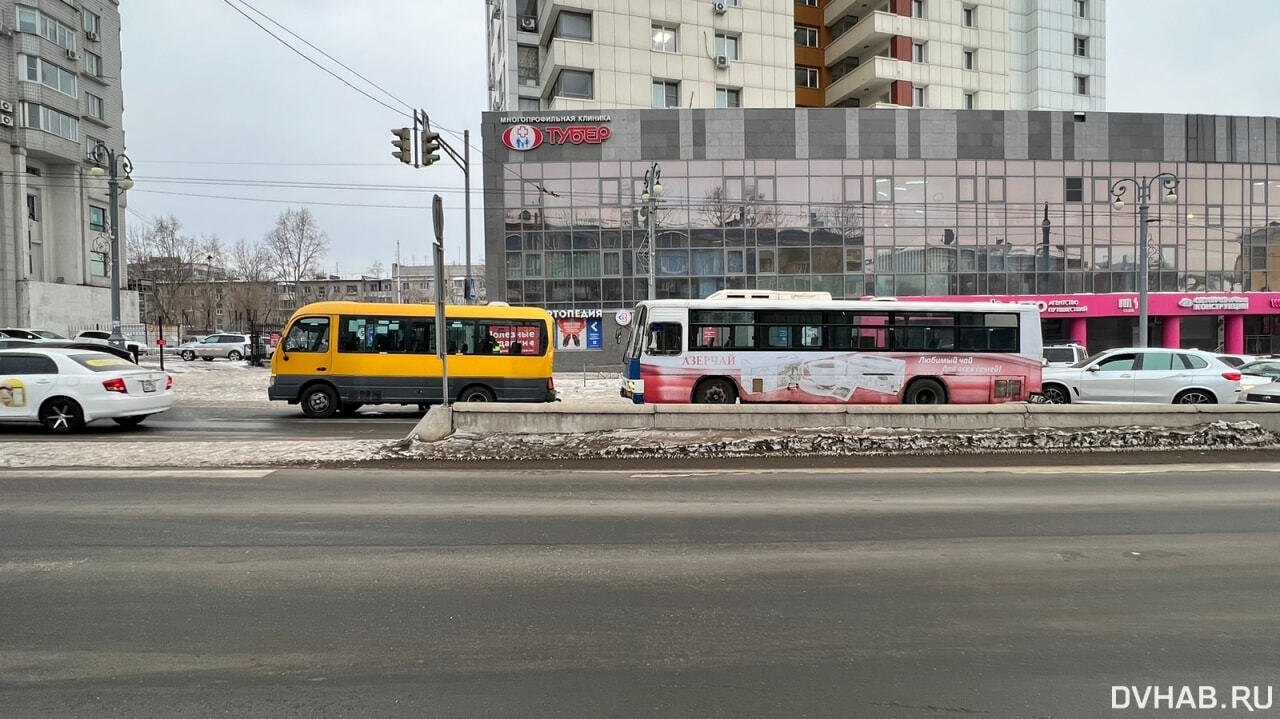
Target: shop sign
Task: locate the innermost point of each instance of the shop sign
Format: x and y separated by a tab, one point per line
527	137
1061	307
623	318
1213	304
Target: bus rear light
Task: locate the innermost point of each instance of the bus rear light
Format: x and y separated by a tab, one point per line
168	383
551	383
1233	376
115	385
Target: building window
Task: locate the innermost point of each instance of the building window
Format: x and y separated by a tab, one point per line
1258	192
727	97
94	106
970	60
1082	85
917	52
664	38
98	263
917	97
93	64
1074	189
44	118
806	76
573	26
527	104
574	83
968	15
91	142
970	100
527	65
806	36
1082	46
97	218
666	94
727	45
807	3
917	8
36	69
31	21
92	23
1082	8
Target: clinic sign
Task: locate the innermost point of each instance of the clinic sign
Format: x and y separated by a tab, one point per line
523	136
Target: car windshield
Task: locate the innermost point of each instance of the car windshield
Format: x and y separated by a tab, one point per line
1087	361
50	335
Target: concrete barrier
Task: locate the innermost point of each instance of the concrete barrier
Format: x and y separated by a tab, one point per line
580	418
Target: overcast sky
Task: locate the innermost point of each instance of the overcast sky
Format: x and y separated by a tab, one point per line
215	107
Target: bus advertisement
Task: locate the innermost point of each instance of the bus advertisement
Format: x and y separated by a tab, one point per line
744	346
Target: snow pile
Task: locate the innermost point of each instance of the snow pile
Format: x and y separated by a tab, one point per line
219	383
190	453
688	444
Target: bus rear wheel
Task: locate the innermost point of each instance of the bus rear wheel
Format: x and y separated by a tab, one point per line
925	391
476	394
715	391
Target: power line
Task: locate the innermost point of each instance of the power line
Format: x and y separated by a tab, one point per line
304	56
282	202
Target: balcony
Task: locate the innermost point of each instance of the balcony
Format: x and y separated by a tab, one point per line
869	78
837	9
872	30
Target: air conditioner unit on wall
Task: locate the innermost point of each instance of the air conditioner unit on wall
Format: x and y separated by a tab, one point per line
6	120
6	107
91	36
73	55
720	6
722	61
529	24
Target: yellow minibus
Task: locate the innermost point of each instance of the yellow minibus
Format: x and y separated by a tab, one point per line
338	356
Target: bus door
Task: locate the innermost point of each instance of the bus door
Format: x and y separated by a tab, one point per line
306	349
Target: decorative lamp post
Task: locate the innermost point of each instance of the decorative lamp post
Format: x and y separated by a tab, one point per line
116	165
1169	182
651	197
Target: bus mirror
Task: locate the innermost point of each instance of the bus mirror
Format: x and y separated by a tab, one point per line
617	336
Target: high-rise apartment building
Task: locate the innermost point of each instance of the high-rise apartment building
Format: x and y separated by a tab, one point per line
955	54
59	97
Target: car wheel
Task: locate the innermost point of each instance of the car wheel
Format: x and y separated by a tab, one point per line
715	391
476	394
207	359
1195	396
925	391
234	356
188	355
319	402
1055	394
130	421
61	415
350	408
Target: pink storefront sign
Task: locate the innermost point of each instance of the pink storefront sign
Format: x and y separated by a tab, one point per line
1122	304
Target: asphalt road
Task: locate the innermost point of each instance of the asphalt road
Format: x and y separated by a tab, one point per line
1023	592
259	422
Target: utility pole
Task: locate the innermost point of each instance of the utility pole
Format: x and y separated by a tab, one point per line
651	197
1170	183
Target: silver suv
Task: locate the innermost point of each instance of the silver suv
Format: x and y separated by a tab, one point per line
232	347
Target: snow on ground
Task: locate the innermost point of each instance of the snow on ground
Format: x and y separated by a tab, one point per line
185	453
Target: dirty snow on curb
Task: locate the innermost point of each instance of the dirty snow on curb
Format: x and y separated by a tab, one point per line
191	454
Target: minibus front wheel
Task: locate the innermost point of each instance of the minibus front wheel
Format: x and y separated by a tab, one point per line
319	401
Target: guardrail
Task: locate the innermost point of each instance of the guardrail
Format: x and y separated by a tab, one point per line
577	418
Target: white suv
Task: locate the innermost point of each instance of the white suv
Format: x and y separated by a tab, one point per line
1064	355
101	337
232	347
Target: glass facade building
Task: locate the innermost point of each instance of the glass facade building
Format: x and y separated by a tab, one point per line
892	203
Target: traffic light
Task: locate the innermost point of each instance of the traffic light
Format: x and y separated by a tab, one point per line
430	144
404	145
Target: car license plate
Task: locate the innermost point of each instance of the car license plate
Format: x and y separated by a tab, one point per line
148	385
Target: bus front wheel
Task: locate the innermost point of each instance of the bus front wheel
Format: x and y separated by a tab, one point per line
319	401
925	391
715	391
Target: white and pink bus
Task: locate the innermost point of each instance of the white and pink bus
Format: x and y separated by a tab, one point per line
804	347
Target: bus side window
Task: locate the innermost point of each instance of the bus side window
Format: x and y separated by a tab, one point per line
664	339
310	334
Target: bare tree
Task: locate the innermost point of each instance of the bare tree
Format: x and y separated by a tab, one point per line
255	296
166	266
753	210
296	246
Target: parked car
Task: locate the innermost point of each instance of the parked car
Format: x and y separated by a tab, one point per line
65	389
187	350
1064	355
24	333
226	346
1268	393
69	344
101	337
1236	360
1144	375
1259	372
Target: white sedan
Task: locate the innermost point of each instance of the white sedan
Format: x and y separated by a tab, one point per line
65	389
1150	374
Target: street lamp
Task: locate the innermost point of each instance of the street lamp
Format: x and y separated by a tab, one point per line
651	197
1169	182
116	165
